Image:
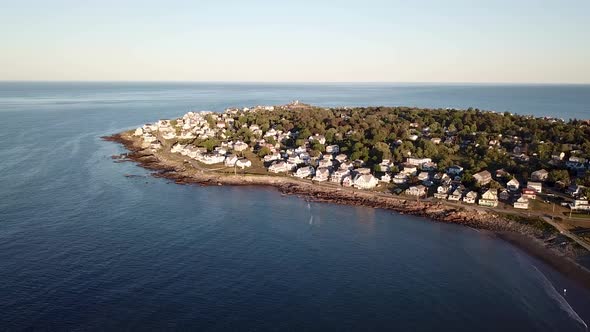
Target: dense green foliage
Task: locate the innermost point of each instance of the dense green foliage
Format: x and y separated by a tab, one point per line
471	138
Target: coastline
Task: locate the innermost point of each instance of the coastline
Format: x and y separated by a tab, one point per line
525	237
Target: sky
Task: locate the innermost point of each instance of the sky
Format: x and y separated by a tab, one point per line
518	41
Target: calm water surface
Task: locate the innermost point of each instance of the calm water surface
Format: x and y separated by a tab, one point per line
82	247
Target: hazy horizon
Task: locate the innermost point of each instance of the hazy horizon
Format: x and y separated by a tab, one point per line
456	42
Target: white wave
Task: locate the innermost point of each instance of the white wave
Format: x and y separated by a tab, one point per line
554	294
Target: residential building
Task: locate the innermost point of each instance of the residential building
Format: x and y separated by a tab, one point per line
537	186
365	181
513	185
419	191
540	175
470	197
483	177
521	203
529	193
489	198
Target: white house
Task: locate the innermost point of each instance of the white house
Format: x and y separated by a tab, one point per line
521	203
489	198
513	185
231	160
400	178
322	174
386	178
580	204
332	149
243	163
537	186
483	177
418	161
419	191
442	192
278	167
341	158
455	195
304	172
339	175
240	146
470	197
365	181
410	170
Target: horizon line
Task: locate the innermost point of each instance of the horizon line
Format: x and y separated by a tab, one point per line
296	82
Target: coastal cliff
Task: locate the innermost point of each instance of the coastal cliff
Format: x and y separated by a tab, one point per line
546	245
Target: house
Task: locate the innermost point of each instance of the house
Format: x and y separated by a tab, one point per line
346	165
341	158
418	191
400	178
442	192
502	173
240	146
470	197
138	132
429	166
332	149
321	174
386	178
365	181
230	160
423	176
385	165
304	172
363	171
537	186
489	198
243	163
418	161
347	181
521	203
513	185
455	195
278	167
504	195
580	204
272	157
445	179
540	175
483	177
435	140
295	160
339	175
455	170
529	193
325	163
409	170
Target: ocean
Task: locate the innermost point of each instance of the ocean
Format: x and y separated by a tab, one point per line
84	247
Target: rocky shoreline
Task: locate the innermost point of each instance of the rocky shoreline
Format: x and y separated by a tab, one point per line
532	240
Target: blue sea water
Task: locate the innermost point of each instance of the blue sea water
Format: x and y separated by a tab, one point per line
82	247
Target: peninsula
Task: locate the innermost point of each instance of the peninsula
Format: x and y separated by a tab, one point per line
520	177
